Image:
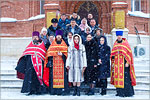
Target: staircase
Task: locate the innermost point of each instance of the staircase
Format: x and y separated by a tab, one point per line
10	83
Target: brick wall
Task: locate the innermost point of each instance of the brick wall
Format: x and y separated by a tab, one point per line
19	9
28	8
104	9
22	28
142	25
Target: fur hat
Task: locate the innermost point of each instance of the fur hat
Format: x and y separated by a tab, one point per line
54	20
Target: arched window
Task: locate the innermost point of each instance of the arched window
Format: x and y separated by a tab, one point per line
42	2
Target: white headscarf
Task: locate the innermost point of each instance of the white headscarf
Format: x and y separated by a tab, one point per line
82	26
43	29
80	40
89	28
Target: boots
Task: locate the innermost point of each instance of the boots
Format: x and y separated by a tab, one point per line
91	92
104	86
103	92
78	91
75	91
31	93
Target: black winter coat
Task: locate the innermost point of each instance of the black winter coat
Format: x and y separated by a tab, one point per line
91	72
91	48
93	29
31	82
68	29
104	55
51	30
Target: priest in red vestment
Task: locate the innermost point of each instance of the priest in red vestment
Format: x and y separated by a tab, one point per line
30	66
55	73
122	67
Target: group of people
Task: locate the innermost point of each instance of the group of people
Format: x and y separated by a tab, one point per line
71	52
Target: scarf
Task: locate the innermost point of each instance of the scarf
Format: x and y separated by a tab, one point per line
76	45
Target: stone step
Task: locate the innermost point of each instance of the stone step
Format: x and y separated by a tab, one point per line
83	93
13	72
142	79
110	87
139	79
19	83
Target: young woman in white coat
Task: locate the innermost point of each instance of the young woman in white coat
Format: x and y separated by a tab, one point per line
76	63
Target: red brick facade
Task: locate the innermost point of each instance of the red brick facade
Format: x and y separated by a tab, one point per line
27	8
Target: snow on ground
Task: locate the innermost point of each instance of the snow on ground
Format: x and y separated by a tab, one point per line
17	95
9	63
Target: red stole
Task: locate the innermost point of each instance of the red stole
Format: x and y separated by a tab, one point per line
121	51
58	64
38	53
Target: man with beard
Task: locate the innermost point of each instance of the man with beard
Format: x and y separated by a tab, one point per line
54	67
122	67
30	66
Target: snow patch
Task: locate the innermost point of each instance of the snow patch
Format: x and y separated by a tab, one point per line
139	14
37	17
143	36
23	20
15	38
51	4
17	95
119	3
6	34
6	19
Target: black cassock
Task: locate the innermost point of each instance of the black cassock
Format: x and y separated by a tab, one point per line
31	82
128	90
58	91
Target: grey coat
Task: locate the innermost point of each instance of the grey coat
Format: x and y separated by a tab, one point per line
76	60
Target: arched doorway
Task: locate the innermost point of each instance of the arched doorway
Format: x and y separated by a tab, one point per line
88	7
